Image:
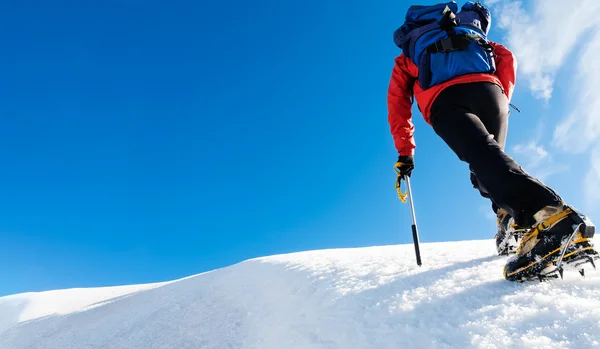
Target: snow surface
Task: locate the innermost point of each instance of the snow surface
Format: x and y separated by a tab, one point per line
375	297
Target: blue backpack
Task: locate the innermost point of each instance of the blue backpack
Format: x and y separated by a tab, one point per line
445	43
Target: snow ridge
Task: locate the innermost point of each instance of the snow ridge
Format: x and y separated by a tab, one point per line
373	297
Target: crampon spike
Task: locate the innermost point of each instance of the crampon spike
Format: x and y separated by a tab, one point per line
592	262
582	272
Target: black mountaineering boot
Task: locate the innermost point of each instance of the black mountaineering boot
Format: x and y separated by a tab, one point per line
560	236
509	233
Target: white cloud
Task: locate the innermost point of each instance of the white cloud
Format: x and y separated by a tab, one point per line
532	152
536	160
542	36
592	180
581	129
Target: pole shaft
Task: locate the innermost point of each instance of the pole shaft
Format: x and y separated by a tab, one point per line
415	231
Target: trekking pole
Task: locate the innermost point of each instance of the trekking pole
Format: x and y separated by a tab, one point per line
402	197
415	232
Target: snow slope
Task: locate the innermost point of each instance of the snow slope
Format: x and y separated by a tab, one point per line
372	297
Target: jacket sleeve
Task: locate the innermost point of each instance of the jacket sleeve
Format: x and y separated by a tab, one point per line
399	100
506	68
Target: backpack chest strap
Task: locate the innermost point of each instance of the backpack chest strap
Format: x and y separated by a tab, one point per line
457	42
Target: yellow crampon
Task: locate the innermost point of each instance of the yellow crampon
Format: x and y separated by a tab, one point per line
402	196
530	239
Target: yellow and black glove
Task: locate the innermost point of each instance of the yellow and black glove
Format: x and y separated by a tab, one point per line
404	166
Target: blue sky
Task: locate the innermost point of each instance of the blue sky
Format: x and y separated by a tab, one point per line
146	141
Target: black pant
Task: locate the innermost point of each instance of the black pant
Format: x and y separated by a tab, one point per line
473	120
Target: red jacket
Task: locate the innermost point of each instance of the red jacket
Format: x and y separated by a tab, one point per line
404	83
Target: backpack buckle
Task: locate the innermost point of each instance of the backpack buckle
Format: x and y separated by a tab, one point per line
444	45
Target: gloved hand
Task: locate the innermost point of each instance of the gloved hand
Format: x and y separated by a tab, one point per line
404	166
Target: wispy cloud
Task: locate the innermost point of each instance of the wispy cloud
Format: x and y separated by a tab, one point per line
543	35
536	160
581	129
592	180
533	153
